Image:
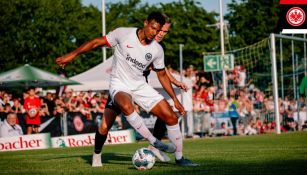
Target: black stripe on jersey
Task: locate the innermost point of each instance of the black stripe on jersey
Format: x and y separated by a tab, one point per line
157	70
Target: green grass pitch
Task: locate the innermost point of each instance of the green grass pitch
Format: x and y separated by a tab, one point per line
284	154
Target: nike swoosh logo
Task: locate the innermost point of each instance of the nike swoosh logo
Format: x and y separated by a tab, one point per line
128	46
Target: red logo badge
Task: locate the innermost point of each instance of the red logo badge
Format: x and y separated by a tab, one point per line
295	16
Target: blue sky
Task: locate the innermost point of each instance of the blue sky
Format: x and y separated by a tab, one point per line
209	5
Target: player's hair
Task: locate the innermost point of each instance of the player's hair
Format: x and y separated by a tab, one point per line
157	16
167	18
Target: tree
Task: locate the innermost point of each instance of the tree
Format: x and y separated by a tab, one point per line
36	32
252	20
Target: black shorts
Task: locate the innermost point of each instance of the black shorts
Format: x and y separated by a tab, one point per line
110	104
33	125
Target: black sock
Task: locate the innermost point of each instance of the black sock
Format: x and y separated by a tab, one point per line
99	141
159	129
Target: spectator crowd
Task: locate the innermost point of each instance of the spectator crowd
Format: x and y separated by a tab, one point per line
246	111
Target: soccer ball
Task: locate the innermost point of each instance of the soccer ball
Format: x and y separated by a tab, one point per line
143	159
32	112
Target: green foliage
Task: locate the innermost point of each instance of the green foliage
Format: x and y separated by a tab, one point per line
36	32
252	20
189	22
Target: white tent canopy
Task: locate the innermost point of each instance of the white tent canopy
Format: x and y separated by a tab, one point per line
98	77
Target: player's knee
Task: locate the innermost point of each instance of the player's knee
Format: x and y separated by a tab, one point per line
172	120
127	109
103	130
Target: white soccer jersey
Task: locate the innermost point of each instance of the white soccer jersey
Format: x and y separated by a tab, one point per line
131	58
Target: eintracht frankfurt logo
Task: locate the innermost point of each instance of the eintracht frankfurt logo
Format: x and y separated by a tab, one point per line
295	16
148	56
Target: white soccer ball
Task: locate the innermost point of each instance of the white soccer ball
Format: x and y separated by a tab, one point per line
143	159
32	112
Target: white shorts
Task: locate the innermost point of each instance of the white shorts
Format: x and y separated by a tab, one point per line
145	96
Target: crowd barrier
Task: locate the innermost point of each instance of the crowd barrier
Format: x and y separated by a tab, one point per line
45	141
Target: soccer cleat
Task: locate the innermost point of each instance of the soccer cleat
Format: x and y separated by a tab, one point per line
159	154
169	148
96	162
186	162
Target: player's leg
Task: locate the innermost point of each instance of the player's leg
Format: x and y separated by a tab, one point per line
165	112
159	129
159	132
124	101
108	119
107	122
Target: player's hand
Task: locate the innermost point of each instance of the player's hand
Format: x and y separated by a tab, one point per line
64	60
179	106
182	86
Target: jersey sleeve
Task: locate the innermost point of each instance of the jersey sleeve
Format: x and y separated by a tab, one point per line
114	36
158	63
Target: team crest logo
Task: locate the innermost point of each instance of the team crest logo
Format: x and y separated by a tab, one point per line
148	56
295	16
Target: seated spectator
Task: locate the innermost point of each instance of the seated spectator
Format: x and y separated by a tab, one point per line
222	131
290	125
251	129
9	127
241	128
300	117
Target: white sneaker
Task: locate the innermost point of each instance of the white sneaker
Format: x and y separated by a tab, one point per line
159	154
96	161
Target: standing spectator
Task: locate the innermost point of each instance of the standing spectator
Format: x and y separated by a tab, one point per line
17	107
7	108
44	111
32	105
201	121
191	74
9	127
6	98
233	105
242	77
50	102
300	117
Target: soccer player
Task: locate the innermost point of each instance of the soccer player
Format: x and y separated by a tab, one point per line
135	50
112	111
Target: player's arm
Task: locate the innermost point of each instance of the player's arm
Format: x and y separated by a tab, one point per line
166	84
177	83
88	46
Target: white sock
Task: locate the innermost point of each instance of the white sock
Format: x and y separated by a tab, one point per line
175	136
138	124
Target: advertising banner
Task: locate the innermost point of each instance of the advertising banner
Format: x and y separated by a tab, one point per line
114	137
25	142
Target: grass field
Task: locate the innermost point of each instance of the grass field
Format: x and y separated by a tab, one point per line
284	154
